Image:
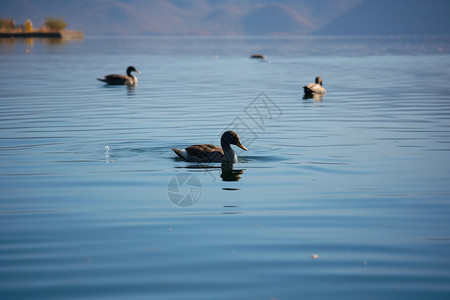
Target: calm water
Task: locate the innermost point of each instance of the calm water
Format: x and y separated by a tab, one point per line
345	197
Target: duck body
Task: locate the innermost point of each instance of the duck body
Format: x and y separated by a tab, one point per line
212	153
259	56
116	79
315	88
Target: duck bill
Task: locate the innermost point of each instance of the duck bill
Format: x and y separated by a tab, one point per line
138	72
239	144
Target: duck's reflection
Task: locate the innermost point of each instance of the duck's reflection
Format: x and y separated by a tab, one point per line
315	97
131	90
230	174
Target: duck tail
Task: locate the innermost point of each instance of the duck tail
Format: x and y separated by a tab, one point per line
307	90
101	79
178	152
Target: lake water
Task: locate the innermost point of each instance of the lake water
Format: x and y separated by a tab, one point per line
344	197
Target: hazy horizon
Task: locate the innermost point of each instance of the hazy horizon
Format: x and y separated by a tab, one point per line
237	18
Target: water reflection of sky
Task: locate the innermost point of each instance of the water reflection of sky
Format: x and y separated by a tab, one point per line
359	179
288	46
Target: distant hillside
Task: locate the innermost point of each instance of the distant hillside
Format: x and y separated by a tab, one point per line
386	17
237	17
181	17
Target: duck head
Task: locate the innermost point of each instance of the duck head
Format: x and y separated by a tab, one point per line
319	80
231	138
132	69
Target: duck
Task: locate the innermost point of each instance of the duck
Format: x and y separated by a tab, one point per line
259	56
212	153
315	88
116	79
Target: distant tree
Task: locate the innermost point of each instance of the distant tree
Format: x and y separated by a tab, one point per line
55	24
6	24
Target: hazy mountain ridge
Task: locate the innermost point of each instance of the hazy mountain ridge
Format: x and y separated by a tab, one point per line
233	17
390	17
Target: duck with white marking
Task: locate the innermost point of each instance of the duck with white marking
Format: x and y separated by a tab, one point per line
212	153
116	79
315	88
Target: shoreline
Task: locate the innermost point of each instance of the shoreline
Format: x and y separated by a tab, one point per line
65	34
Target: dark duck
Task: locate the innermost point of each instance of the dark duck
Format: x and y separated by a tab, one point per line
116	79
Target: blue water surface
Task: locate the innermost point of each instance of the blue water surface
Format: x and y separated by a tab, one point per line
341	197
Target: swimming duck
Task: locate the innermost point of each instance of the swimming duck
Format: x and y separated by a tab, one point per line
315	88
259	56
212	153
115	79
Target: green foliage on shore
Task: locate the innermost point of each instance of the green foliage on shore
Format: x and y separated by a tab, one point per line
55	24
6	24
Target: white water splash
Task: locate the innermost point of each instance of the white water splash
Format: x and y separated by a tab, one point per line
107	154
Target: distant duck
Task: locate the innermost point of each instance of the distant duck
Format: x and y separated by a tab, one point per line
212	153
259	56
315	88
115	79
